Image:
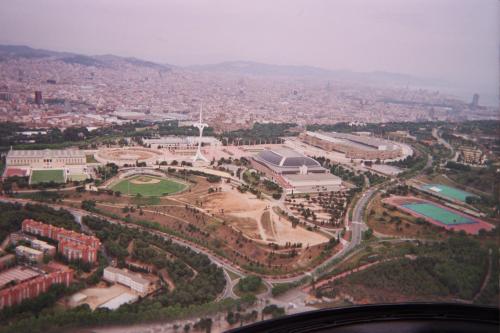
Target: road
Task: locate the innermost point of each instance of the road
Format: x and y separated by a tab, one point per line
437	135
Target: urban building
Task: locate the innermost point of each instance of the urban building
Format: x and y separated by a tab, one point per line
295	172
471	155
363	147
38	97
35	243
45	159
73	245
181	143
7	261
30	283
27	253
132	280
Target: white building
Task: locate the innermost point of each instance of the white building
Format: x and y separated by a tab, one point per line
29	253
46	159
132	280
180	143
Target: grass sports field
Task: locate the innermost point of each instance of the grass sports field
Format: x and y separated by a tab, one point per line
437	213
448	192
46	176
148	186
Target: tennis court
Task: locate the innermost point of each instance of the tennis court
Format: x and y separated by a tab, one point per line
448	192
437	213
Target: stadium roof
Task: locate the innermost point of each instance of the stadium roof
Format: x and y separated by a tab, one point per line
46	153
357	141
286	159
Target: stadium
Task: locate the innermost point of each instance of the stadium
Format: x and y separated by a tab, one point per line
44	166
353	146
146	183
129	156
295	172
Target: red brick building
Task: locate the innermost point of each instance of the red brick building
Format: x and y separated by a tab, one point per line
32	288
73	245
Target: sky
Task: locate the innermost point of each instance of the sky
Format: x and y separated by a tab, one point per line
456	41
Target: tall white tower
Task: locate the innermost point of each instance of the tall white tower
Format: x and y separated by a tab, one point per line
200	126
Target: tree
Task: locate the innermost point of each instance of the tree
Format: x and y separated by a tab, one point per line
89	205
250	283
368	234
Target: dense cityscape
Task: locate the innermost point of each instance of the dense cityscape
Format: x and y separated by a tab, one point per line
98	91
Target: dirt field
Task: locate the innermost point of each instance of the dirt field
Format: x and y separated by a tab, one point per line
246	213
268	226
286	233
128	154
100	295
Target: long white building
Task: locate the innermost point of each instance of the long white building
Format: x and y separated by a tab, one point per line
180	143
46	159
132	280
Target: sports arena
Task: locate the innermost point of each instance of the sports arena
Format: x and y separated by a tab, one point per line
146	183
295	172
129	156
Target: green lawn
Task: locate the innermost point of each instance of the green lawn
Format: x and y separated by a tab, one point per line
161	188
46	176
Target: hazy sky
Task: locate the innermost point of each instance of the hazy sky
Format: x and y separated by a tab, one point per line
454	40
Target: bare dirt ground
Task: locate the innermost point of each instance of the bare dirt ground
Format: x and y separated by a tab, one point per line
245	211
145	180
285	232
268	226
100	295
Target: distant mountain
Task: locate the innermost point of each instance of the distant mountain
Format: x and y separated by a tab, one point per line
235	67
255	68
19	51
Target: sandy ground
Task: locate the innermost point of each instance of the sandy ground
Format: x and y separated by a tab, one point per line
145	180
98	296
286	233
248	209
128	153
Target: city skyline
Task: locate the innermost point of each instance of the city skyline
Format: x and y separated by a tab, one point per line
456	43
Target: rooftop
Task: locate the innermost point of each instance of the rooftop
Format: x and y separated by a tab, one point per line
18	273
46	153
313	177
133	276
286	157
359	141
